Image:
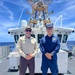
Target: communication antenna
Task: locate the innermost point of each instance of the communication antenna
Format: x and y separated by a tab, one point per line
20	17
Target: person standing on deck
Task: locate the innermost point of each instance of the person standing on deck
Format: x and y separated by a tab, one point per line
49	46
27	48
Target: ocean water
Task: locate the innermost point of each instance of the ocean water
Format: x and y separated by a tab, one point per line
70	44
6	43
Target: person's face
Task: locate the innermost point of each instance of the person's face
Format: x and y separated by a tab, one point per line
49	31
28	32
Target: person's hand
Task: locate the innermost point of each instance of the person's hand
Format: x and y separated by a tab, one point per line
48	55
28	57
31	55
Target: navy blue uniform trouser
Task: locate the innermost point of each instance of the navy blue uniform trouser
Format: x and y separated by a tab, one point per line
51	64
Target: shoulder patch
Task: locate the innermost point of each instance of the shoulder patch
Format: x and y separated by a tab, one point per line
43	39
54	39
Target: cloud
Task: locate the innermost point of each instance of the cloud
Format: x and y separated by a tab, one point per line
4	9
6	25
59	1
68	13
71	37
69	9
69	3
70	25
5	37
22	3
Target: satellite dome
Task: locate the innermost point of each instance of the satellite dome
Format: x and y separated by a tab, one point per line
23	23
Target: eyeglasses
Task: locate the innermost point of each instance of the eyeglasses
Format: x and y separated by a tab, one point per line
28	30
49	28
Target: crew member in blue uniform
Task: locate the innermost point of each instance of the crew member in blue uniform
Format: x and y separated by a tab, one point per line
49	46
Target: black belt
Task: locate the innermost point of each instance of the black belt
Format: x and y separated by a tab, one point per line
27	54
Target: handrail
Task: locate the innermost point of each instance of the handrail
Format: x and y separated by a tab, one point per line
59	18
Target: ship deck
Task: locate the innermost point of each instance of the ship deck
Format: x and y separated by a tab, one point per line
4	66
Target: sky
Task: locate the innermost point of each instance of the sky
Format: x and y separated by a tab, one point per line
10	11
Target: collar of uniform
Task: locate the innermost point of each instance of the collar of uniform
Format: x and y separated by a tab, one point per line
28	38
51	35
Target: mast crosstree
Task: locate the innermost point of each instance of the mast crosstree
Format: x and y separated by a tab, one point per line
39	14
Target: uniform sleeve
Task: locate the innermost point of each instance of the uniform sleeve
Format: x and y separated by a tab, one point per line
56	50
19	50
35	49
41	47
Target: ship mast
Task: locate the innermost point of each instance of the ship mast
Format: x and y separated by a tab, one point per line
39	15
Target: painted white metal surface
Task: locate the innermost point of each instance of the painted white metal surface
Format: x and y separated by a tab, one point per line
13	60
62	55
73	51
62	62
4	51
0	52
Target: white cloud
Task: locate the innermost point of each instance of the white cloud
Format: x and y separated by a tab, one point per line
59	1
7	24
22	3
71	37
5	37
69	3
71	25
69	9
4	9
68	13
4	26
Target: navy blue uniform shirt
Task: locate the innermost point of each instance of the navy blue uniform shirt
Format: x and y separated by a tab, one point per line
50	45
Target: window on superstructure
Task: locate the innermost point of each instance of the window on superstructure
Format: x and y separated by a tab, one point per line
33	35
16	37
64	38
59	36
22	35
39	37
